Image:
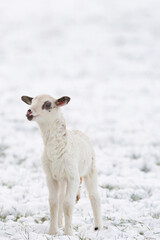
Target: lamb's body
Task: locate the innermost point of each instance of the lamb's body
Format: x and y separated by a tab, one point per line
67	156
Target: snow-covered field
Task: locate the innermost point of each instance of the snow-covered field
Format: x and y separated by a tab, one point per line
105	55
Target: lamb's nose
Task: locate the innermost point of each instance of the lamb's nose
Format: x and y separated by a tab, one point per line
29	112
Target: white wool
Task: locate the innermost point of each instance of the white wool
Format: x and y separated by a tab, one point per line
67	157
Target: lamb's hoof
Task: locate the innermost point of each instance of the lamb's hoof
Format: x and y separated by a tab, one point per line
52	231
99	227
68	232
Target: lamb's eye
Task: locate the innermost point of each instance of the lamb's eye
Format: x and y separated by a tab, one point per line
46	105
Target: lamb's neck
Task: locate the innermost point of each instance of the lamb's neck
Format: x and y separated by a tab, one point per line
54	132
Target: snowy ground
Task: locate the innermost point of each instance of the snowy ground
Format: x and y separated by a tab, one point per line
105	55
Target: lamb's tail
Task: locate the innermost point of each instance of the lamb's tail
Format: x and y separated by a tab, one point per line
79	190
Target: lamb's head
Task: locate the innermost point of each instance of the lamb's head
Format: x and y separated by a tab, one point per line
44	108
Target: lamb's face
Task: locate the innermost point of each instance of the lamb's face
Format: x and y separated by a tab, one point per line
43	107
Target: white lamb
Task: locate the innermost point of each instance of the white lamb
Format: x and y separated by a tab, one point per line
67	157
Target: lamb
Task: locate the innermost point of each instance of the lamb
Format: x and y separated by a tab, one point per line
67	157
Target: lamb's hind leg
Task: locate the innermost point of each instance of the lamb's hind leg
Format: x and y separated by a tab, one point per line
92	187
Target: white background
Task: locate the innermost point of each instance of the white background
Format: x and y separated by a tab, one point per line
105	55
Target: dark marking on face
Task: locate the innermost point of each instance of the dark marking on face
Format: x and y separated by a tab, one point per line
29	117
47	105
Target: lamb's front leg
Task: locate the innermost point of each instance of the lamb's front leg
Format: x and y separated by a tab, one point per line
71	191
53	187
61	201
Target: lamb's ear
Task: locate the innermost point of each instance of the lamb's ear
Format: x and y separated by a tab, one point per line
62	101
27	99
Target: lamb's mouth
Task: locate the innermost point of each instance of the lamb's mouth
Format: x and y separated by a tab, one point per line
29	117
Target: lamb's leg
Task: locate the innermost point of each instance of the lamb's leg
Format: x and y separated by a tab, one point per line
71	191
53	187
61	200
92	187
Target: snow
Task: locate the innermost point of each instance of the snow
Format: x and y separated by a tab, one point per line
105	56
